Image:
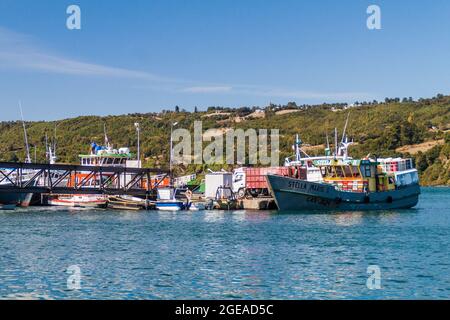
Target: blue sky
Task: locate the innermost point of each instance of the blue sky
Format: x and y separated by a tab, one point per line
143	56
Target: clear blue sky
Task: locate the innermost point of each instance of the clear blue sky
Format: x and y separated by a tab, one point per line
142	56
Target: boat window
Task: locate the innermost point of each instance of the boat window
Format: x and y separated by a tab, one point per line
355	172
364	171
348	171
339	171
331	171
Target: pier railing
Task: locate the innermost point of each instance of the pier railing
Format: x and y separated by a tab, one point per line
77	179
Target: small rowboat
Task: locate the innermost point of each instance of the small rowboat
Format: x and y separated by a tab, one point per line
197	206
127	203
78	201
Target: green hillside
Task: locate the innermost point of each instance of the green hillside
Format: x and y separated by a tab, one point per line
377	128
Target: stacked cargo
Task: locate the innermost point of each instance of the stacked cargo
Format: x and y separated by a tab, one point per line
389	165
351	185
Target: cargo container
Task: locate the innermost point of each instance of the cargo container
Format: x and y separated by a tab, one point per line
218	185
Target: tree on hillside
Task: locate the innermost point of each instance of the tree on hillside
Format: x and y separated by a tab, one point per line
13	157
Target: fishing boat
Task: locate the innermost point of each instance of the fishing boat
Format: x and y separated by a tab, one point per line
348	184
78	201
167	200
339	182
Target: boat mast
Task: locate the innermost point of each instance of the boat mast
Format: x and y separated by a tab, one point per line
345	128
343	136
336	149
327	150
50	151
28	159
106	136
298	156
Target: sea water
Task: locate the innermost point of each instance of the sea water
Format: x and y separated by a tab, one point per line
50	253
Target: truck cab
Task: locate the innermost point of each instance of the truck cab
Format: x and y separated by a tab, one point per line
239	184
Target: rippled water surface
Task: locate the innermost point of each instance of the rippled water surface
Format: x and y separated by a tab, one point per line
231	255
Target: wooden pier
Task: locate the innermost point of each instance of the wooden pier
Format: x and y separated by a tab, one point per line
264	203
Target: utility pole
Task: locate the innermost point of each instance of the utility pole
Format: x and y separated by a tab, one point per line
171	146
138	131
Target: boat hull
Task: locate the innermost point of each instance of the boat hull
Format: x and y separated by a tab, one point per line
293	194
126	203
19	199
7	206
170	205
197	206
77	202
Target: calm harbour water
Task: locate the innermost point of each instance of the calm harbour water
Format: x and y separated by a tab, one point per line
227	255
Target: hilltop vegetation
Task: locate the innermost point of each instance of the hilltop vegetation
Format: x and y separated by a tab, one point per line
380	128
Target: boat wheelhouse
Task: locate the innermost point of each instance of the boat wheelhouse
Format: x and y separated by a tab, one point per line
104	157
107	157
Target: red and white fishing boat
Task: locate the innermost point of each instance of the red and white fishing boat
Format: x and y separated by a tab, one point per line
79	200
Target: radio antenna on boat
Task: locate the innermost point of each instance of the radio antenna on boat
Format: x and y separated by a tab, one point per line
28	159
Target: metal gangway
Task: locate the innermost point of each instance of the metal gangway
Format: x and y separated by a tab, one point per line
78	179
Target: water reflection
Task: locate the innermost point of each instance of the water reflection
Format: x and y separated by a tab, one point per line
214	215
347	219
